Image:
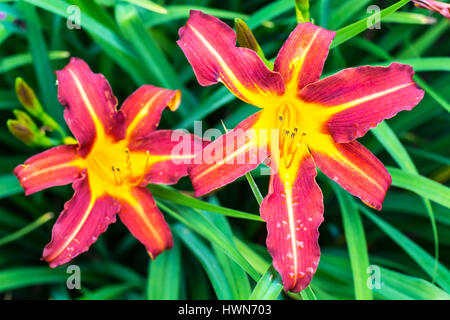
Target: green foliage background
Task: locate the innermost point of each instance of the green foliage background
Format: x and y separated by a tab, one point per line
219	247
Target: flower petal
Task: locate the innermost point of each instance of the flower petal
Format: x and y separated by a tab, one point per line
170	154
302	57
293	210
90	104
357	99
352	166
144	220
142	110
228	157
210	46
54	167
78	226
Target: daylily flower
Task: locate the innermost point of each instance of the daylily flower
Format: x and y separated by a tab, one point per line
436	6
317	120
117	155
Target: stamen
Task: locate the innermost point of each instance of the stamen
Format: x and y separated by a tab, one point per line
147	153
115	177
119	175
129	171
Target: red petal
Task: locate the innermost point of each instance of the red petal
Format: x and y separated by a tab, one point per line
229	157
79	225
142	110
359	98
354	167
301	59
54	167
90	103
210	46
293	210
171	153
144	220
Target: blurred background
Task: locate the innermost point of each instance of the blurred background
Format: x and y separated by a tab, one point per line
219	251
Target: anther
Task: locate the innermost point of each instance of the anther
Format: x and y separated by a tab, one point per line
115	177
119	176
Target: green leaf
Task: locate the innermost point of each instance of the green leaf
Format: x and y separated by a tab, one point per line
154	60
256	261
420	256
422	64
9	185
270	11
346	11
207	259
218	99
425	41
356	28
386	136
27	229
44	71
236	276
167	193
258	196
22	59
11	279
308	294
409	18
420	185
165	275
206	229
397	286
356	243
149	5
110	292
268	287
182	12
59	7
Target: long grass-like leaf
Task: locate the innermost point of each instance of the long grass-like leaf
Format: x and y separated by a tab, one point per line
420	256
354	29
167	193
27	229
207	259
421	185
356	243
165	275
268	287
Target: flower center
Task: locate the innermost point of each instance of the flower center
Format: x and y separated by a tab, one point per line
290	133
111	165
126	174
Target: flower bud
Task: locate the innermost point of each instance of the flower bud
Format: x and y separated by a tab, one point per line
246	39
28	98
21	132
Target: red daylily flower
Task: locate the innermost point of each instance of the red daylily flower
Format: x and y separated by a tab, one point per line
436	6
317	120
118	154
